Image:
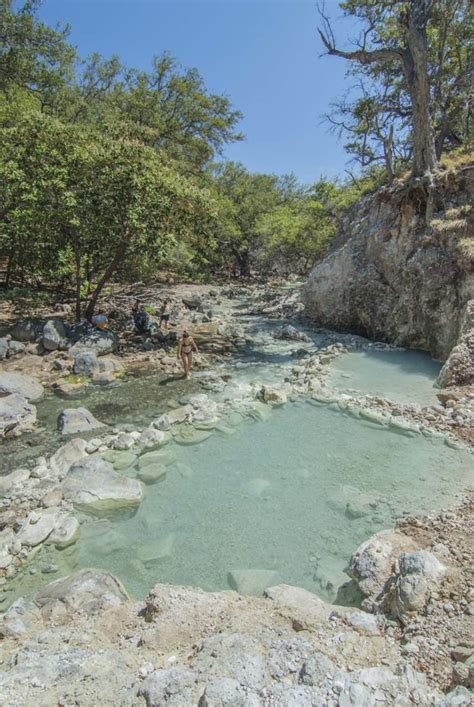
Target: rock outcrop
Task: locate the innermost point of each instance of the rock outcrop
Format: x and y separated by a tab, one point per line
396	275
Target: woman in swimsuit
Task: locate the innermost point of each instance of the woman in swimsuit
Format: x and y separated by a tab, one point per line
186	346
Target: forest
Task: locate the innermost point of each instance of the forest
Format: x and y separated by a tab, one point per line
111	173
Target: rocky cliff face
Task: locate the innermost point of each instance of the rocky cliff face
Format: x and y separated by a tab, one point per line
396	275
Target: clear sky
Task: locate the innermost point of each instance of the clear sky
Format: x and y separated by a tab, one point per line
264	54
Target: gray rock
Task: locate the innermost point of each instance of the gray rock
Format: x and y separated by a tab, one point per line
315	669
227	692
37	529
372	563
418	574
66	456
100	342
94	485
193	302
290	333
74	420
3	348
23	618
17	415
28	387
27	330
175	687
85	363
459	367
54	335
385	281
15	347
306	607
88	591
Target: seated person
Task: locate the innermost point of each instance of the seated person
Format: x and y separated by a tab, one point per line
141	318
100	320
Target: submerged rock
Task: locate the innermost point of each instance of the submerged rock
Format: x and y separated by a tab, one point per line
20	383
94	485
251	582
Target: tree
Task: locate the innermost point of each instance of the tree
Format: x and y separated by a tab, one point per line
76	203
414	64
244	199
396	32
33	56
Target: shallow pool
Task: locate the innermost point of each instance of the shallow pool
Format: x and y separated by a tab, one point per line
294	496
400	375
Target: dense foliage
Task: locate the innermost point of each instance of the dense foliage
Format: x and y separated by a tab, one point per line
110	172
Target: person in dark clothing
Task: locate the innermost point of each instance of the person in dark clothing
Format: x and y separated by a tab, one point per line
141	319
165	314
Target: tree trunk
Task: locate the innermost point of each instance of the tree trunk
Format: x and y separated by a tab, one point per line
388	155
115	262
78	287
415	65
244	263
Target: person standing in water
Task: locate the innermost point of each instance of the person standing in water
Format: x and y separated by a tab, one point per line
186	346
165	314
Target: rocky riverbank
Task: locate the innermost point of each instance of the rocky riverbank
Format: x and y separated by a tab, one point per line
401	271
83	640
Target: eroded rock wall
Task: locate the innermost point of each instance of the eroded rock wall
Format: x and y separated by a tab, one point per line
395	278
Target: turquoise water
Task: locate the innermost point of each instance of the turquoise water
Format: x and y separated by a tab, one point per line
274	496
399	375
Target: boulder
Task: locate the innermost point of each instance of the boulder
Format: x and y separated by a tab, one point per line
66	456
418	574
27	330
17	415
151	438
459	367
227	692
307	608
85	363
291	333
101	342
94	485
74	420
3	348
23	618
24	385
89	591
193	302
371	566
172	686
39	525
274	396
16	347
54	335
106	371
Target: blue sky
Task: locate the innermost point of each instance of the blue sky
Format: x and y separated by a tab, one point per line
264	54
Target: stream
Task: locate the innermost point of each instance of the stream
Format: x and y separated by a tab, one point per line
285	494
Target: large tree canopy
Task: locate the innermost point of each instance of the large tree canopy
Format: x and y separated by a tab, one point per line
413	61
